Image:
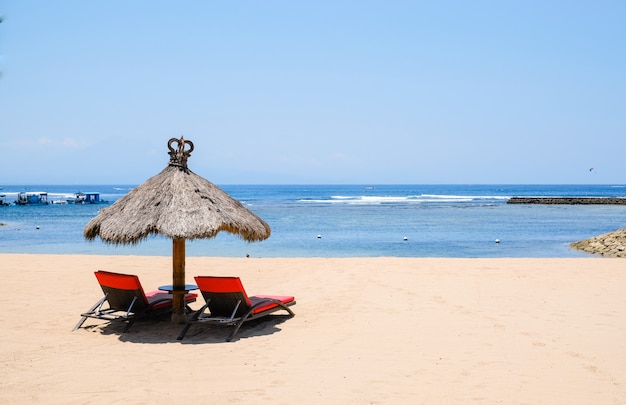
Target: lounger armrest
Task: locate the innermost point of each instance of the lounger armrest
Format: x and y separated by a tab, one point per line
267	301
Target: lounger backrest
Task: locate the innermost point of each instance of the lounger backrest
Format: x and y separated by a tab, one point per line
121	289
222	295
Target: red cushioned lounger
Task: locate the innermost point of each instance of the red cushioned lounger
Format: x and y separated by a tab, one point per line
127	301
229	305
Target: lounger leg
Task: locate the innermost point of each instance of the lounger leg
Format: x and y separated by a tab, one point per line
244	318
183	332
84	318
130	320
80	323
128	324
232	334
193	318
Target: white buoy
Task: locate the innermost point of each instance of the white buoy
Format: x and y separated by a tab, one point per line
405	238
319	236
497	240
37	227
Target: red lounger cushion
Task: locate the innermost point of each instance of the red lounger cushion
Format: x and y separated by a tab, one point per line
257	298
153	296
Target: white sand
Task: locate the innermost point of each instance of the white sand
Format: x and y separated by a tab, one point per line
366	331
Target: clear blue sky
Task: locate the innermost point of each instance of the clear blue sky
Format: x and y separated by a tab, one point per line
274	92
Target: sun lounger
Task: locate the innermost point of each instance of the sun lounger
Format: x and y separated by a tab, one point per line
229	305
126	300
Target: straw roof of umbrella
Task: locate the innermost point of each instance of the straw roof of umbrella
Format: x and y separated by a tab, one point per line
176	203
612	244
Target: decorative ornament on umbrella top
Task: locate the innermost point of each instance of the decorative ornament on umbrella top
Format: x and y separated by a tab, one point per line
179	156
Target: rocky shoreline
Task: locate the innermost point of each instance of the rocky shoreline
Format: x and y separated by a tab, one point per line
568	200
612	244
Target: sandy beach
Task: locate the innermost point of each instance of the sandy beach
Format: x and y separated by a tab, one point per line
366	331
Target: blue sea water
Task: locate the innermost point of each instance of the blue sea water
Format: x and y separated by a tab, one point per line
350	220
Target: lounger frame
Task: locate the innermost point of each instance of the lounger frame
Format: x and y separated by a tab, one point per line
231	306
124	300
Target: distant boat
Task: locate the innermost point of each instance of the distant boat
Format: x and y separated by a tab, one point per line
43	198
32	198
90	197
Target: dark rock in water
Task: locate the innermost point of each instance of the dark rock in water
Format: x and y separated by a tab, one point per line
568	200
612	244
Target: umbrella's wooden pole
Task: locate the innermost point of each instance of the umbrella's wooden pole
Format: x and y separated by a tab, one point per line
178	267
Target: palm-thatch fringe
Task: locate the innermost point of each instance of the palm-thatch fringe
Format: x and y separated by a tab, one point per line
178	204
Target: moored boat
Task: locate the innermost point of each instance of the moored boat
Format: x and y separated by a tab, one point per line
32	198
90	197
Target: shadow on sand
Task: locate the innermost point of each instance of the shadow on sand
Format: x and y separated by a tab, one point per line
162	330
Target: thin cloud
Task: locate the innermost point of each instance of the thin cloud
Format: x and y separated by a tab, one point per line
340	156
44	141
72	143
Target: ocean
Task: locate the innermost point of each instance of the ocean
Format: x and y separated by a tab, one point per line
343	221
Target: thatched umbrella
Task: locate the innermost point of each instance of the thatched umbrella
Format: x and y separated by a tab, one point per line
181	205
